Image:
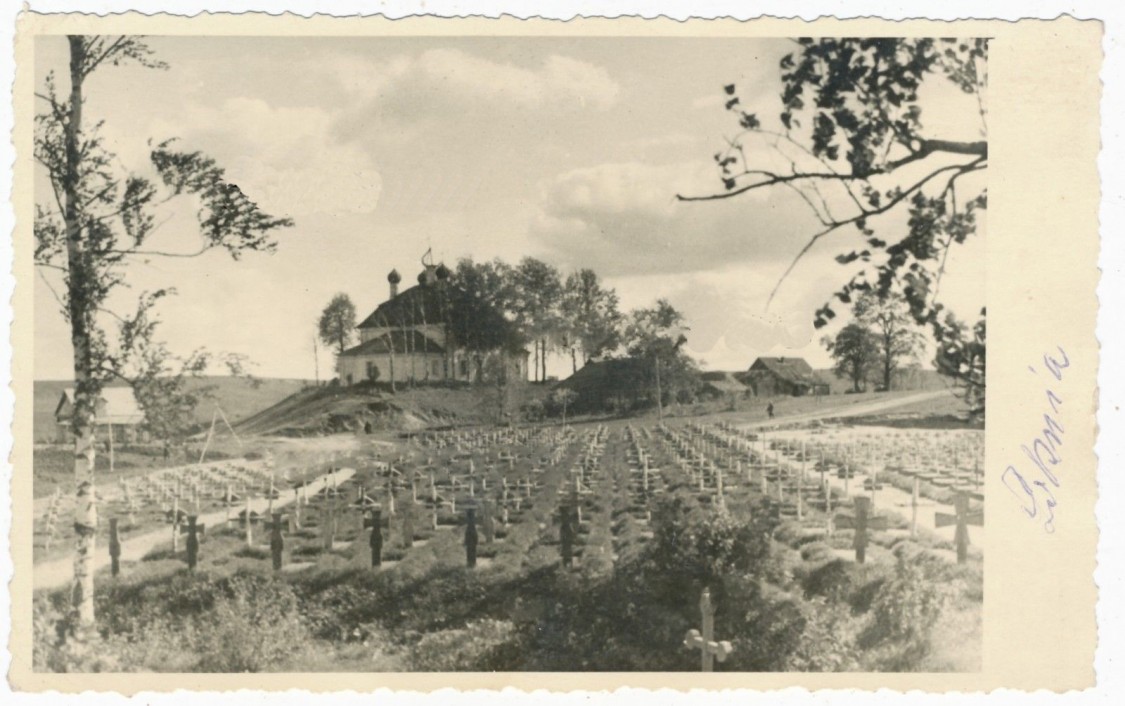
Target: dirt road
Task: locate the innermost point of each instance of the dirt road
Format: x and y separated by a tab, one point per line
858	410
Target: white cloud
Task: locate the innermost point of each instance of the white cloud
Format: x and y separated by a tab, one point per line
285	157
624	218
439	84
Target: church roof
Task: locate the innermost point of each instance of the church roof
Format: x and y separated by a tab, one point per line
414	306
405	341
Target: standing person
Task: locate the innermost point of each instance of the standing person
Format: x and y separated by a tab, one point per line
769	410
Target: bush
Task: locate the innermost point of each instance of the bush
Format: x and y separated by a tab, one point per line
480	646
904	611
193	622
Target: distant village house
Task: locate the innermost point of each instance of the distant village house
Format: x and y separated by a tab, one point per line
775	376
116	413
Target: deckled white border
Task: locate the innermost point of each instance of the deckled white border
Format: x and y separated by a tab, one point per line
1110	574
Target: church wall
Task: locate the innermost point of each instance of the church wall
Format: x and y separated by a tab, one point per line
426	366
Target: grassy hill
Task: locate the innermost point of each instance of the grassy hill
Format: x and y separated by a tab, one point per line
239	398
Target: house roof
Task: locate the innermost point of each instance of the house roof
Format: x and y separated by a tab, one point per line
117	405
405	341
722	381
791	369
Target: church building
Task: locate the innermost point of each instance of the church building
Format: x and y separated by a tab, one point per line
407	339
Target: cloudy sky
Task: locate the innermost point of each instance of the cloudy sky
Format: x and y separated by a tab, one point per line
570	150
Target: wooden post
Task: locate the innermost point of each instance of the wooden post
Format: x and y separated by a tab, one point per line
470	538
705	642
566	535
374	521
277	543
114	548
194	529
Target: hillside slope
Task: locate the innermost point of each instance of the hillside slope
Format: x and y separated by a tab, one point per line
328	410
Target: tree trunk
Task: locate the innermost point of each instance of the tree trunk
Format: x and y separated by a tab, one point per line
573	361
543	359
85	387
659	393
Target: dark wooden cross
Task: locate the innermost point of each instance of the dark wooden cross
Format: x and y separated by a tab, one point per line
277	543
114	548
374	521
470	537
567	517
192	530
709	649
963	517
861	522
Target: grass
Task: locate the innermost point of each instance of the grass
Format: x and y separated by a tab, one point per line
237	397
429	611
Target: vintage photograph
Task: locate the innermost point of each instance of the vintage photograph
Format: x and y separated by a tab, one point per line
509	353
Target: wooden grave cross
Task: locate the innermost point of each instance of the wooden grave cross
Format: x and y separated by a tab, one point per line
193	529
709	649
470	537
962	518
567	531
373	520
862	522
175	519
277	543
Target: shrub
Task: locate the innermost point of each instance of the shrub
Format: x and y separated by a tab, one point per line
480	646
904	611
193	622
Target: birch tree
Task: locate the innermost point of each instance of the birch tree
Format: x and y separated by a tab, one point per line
92	223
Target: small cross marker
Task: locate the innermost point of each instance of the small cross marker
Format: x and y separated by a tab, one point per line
705	642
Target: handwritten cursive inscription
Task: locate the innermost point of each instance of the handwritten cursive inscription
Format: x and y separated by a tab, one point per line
1037	497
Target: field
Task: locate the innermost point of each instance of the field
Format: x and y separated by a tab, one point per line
238	398
591	546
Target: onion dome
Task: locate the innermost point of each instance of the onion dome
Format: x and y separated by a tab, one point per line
394	277
443	272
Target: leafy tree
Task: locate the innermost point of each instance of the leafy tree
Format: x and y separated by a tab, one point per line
539	294
336	325
590	316
854	146
561	398
961	356
481	306
855	352
897	338
658	335
98	219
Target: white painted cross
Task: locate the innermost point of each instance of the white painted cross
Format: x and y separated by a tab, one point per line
705	643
